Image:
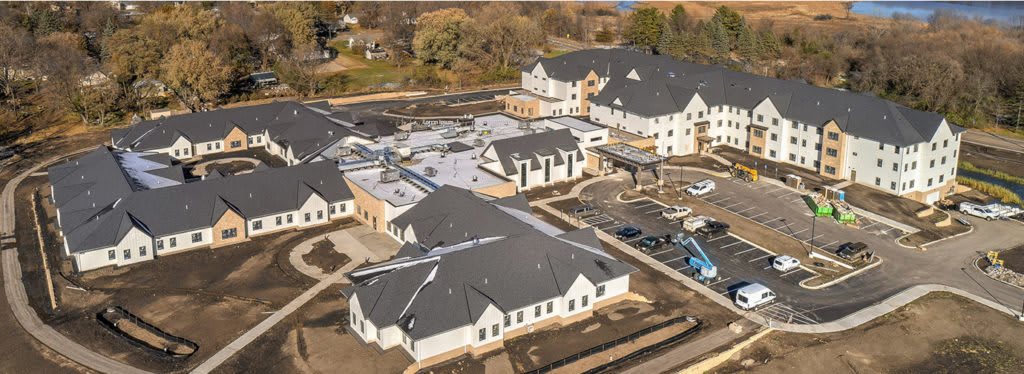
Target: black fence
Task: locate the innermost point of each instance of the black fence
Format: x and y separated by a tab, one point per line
110	316
623	340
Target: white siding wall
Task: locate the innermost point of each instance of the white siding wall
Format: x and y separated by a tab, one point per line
183	241
216	146
314	204
580	287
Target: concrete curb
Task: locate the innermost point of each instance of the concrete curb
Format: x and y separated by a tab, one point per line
925	245
842	278
975	263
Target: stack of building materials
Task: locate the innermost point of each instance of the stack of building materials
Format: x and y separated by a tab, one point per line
818	204
842	212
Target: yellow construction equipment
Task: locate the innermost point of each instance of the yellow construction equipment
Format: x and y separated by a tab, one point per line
993	258
740	171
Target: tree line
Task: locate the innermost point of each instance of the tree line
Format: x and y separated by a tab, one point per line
966	69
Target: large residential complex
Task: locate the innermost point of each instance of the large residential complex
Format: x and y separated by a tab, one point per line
475	271
689	108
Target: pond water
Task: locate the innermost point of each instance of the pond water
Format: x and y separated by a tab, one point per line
1016	188
1008	12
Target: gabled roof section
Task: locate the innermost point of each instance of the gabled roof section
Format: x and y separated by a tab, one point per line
532	147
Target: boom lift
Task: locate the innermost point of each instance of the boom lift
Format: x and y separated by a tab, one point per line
705	269
743	172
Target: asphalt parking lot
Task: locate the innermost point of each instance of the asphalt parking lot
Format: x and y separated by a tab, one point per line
785	211
471	98
739	262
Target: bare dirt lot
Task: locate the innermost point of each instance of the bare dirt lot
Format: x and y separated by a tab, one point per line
314	340
1013	259
557	189
325	257
209	296
939	333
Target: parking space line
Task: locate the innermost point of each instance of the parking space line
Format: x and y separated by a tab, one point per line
748	250
791	272
683	268
755	216
797	232
730	206
730	245
760	258
760	186
826	245
866	227
718	201
723	280
674	259
744	210
710	195
645	205
634	239
612	227
665	251
655	211
723	236
787	194
816	237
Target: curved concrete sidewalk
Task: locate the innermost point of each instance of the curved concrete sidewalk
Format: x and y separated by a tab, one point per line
200	168
14	289
344	243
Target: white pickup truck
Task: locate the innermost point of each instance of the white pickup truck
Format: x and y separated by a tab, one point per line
978	211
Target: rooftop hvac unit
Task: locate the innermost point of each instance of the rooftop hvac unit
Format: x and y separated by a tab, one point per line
343	151
478	143
389	175
402	135
486	132
524	125
450	134
430	171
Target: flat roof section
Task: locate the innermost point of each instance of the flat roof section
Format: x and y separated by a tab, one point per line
397	193
629	154
456	169
576	123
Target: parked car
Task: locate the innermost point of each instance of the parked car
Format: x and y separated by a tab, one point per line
585	210
785	263
701	188
650	243
713	229
850	250
693	223
627	232
676	212
978	211
753	295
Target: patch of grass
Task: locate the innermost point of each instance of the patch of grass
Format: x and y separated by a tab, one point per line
555	53
1002	193
964	165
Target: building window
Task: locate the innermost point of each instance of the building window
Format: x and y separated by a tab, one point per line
943	160
111	255
792	157
600	290
892	186
758	133
494	330
775	137
142	251
931	163
536	311
817	146
929	182
236	143
941	178
687	132
590	83
792	140
482	334
508	320
833	135
197	237
895	166
584	301
331	209
550	307
803	160
796	126
257	225
775	121
319	215
911	183
307	217
771	153
878	181
177	153
760	118
700	114
228	233
216	145
173	242
209	147
277	221
288	218
830	170
934	146
913	165
719	123
572	305
756	149
945	143
689	116
803	143
831	152
362	327
127	254
160	244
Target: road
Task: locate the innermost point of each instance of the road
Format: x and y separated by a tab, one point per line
947	263
992	140
381	106
14	289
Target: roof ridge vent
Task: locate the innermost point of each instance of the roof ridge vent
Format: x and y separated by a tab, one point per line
295	112
485	280
885	116
186	206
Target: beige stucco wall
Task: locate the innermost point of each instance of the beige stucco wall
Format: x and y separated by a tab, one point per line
367	208
236	134
838	161
228	220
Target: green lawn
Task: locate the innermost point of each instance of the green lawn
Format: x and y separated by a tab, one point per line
375	72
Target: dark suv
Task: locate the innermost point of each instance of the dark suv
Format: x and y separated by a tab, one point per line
850	250
713	229
650	243
627	232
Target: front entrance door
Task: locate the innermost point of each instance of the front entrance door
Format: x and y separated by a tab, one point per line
853	175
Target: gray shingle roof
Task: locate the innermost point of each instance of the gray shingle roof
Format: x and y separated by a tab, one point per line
451	215
95	198
667	85
287	122
530	147
449	287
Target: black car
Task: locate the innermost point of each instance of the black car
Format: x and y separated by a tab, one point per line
627	232
713	229
651	242
850	250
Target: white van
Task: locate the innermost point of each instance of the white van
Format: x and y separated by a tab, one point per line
753	295
700	188
785	263
978	211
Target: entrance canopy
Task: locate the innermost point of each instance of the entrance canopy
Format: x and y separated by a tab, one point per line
629	155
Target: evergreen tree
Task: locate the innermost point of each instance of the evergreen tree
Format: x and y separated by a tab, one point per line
717	41
748	44
645	28
678	19
667	42
770	47
730	20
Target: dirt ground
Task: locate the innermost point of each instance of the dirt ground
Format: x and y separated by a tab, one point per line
441	110
939	333
230	168
313	340
991	158
1013	259
557	189
209	296
325	257
257	153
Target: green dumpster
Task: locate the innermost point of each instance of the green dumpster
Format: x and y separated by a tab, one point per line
823	209
844	215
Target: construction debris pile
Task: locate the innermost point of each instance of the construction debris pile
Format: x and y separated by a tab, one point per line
1006	275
